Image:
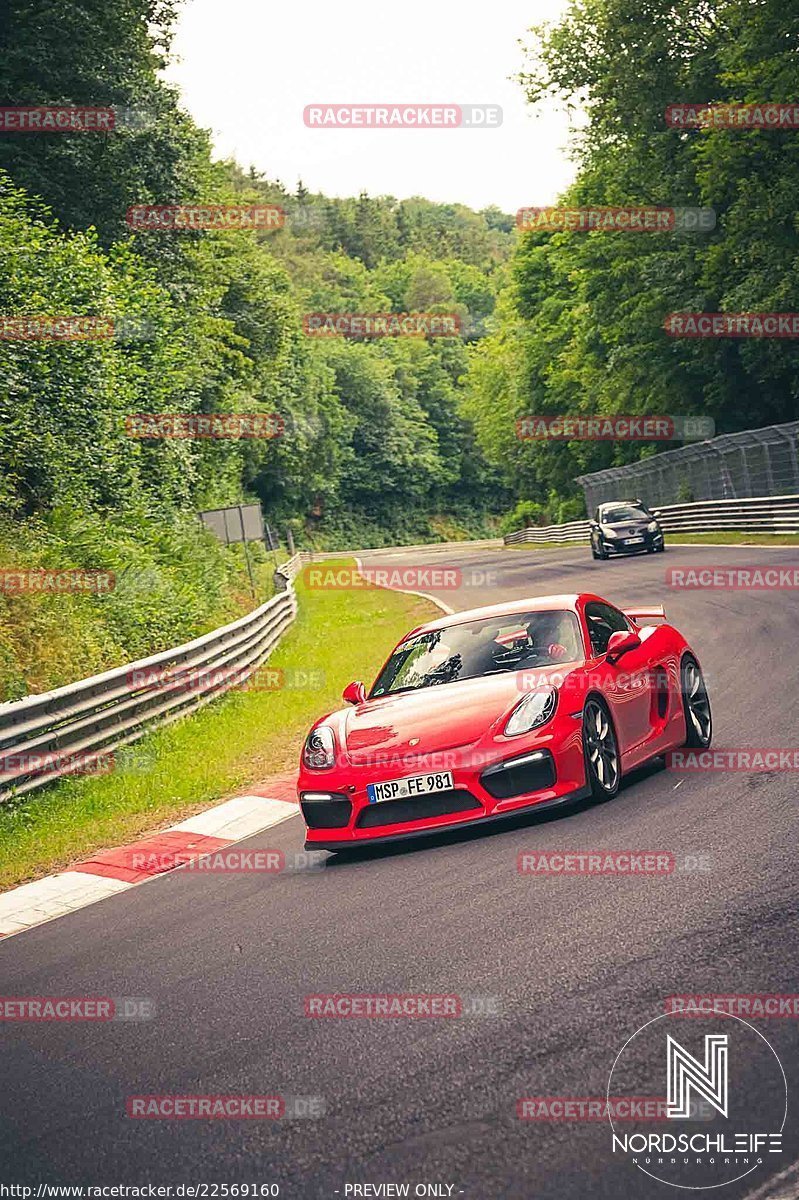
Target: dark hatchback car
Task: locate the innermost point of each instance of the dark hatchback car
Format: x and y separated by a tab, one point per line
625	527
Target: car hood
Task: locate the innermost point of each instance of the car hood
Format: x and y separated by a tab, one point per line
442	717
628	527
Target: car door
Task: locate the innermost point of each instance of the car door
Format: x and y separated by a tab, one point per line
626	683
594	524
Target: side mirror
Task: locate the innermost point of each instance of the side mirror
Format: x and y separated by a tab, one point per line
620	642
656	512
354	693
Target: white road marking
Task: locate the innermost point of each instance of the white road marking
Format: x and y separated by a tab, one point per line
410	591
56	895
35	902
238	818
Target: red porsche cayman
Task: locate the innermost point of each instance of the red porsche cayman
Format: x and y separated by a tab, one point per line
481	714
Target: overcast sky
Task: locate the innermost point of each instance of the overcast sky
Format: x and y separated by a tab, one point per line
248	68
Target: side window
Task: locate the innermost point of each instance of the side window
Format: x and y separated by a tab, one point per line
603	620
596	516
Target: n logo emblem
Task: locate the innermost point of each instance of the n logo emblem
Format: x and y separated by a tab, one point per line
686	1074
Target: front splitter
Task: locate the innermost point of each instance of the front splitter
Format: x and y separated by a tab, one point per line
492	819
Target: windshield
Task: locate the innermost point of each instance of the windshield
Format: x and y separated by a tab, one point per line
622	512
488	647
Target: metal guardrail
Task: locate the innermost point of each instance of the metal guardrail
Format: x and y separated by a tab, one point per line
762	514
733	466
574	531
41	737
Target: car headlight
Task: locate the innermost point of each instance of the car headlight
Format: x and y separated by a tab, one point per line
652	527
534	710
319	751
607	532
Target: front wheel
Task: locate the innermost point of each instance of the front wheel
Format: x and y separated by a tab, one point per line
602	759
696	705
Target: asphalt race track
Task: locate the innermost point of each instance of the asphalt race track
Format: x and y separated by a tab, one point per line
574	965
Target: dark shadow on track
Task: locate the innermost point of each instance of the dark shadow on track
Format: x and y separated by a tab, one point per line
523	820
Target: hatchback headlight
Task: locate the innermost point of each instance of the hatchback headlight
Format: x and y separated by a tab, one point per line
652	527
319	751
534	710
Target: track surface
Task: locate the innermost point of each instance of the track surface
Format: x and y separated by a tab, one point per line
576	964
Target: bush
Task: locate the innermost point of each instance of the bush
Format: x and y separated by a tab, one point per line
526	512
173	582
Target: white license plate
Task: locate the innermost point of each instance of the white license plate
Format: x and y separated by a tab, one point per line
415	785
632	541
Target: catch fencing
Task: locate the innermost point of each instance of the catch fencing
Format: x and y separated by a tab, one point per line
43	737
733	466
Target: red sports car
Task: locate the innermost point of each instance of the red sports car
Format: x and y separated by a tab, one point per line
480	714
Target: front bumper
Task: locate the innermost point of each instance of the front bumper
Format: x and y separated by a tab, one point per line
548	770
538	805
652	541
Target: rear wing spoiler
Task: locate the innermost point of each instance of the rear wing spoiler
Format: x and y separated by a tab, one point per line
645	613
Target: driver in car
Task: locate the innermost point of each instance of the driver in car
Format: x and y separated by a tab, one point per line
549	636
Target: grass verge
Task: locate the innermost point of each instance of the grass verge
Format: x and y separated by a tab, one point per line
736	539
547	546
235	741
698	539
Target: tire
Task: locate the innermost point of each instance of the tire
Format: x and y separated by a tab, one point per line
695	705
600	750
603	554
661	548
593	551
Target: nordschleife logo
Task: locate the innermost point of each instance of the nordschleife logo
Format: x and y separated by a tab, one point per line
726	1101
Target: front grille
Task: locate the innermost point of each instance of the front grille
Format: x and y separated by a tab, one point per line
518	778
415	808
326	814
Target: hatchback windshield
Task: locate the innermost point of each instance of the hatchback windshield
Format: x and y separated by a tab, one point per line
623	512
488	647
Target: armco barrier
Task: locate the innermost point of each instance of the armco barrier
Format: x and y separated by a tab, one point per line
763	514
108	711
